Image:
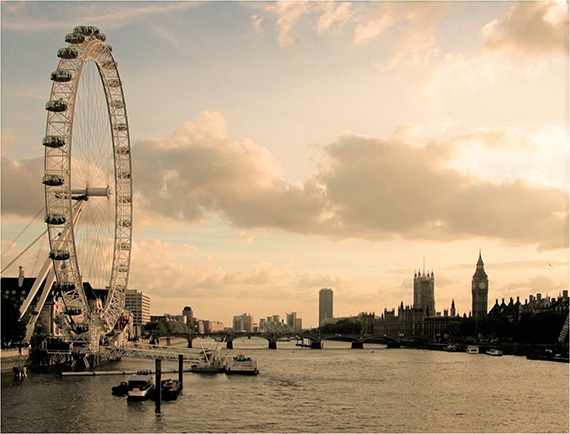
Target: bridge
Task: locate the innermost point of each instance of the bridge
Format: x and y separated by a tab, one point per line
305	339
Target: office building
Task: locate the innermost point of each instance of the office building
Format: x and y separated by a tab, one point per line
243	322
138	304
325	304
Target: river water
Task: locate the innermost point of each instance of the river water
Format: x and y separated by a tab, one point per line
335	389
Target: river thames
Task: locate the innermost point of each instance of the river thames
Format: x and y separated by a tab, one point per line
335	389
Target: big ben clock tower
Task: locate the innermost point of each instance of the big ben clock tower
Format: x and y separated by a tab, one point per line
479	291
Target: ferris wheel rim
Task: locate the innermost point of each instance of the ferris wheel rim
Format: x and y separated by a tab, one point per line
87	44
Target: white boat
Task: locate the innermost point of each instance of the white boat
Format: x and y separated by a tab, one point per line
472	349
494	352
140	386
211	361
241	364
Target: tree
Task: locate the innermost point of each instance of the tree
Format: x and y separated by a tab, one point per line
13	330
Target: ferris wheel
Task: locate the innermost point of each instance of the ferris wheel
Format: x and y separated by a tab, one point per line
88	186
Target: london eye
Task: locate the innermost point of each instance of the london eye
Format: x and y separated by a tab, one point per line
88	187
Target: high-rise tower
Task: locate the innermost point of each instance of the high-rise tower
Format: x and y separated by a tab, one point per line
424	285
479	291
325	304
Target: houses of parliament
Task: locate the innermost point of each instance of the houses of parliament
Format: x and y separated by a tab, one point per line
422	319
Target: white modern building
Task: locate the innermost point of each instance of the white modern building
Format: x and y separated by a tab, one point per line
137	303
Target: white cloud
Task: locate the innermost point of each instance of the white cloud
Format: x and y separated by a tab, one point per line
244	238
529	28
256	22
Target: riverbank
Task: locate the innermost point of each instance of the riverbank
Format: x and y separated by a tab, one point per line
11	358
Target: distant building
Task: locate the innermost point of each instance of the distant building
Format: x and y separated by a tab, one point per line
188	315
479	291
243	322
325	304
424	292
138	304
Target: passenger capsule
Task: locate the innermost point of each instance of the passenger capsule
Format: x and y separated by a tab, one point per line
125	223
74	38
109	47
118	104
125	199
59	254
121	127
122	269
61	76
81	328
101	36
125	174
53	141
124	246
67	53
58	105
115	82
123	150
63	286
53	180
55	218
73	311
86	30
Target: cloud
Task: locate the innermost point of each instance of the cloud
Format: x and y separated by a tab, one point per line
288	14
159	268
33	18
320	280
366	188
382	188
244	238
22	188
530	28
538	284
371	188
256	23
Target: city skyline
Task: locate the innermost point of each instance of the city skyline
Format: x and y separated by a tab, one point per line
281	148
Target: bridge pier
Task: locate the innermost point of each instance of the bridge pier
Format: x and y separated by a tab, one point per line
230	345
189	343
272	345
357	345
315	345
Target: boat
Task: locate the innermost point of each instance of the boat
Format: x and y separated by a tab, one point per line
170	389
451	348
494	352
241	364
120	390
472	349
211	361
140	386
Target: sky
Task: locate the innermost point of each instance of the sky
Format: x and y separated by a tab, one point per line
283	147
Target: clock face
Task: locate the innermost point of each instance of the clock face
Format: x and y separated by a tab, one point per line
482	285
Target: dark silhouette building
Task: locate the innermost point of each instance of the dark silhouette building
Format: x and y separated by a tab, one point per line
479	291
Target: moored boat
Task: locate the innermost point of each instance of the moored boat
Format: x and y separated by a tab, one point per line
170	389
472	349
494	352
120	390
140	386
211	361
241	364
450	348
